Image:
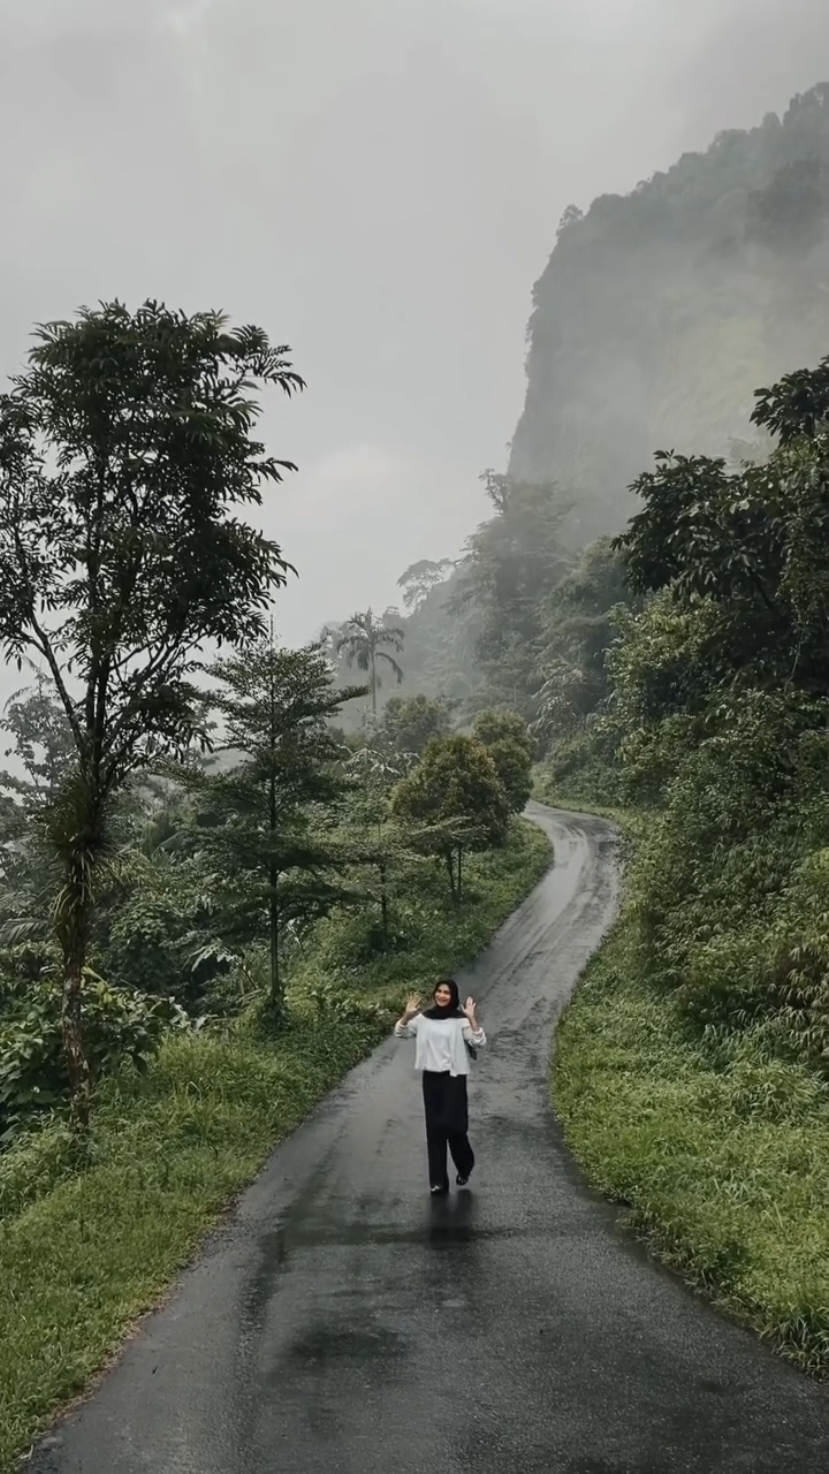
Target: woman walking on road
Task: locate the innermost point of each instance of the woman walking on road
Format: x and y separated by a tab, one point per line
446	1036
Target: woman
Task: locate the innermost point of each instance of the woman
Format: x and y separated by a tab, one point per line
445	1034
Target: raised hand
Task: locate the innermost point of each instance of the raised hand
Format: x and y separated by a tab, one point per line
412	1006
469	1009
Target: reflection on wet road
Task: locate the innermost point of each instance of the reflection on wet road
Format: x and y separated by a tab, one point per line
343	1321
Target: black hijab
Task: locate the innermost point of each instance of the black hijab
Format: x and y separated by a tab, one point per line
453	1008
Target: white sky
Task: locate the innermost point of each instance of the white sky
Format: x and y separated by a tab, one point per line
376	182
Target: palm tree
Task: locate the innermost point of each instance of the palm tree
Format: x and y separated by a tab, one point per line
361	639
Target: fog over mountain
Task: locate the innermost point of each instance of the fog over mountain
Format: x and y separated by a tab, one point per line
378	183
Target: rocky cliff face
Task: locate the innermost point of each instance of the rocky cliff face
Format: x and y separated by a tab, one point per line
660	312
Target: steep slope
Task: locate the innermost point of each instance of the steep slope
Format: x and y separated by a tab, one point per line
660	312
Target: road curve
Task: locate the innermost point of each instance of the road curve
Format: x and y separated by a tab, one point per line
343	1323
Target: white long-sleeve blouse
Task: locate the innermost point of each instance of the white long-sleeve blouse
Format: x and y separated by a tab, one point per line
441	1043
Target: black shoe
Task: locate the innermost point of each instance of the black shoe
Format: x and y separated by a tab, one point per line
438	1192
462	1181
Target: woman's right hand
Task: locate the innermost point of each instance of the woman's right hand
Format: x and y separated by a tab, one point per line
413	1005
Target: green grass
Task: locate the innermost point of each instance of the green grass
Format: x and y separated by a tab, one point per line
82	1255
725	1172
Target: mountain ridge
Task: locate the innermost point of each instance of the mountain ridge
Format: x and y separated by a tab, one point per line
659	312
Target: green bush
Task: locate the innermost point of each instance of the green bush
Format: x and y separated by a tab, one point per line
729	883
582	768
148	928
119	1025
514	768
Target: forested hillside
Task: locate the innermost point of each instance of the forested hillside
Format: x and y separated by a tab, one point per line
657	316
660	311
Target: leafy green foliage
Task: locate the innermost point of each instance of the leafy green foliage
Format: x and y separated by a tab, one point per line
433	935
411	722
578	629
711	1001
419	579
499	724
379	858
41	742
756	545
507	739
514	769
513	563
121	1026
452	801
152	927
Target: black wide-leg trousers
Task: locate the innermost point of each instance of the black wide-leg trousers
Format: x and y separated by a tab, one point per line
447	1125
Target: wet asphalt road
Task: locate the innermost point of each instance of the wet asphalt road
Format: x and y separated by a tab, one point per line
343	1323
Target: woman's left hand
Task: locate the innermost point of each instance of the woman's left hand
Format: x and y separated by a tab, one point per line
469	1009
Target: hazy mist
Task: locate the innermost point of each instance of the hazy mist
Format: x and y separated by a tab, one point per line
376	182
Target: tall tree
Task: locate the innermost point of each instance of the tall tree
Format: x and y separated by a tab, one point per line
577	631
454	801
276	864
513	562
362	642
420	578
755	546
376	766
126	456
507	739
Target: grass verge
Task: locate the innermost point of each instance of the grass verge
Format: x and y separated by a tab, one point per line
724	1171
82	1255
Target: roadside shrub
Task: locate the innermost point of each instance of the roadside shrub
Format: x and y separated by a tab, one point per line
119	1025
514	768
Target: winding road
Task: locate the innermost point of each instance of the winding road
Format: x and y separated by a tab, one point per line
342	1322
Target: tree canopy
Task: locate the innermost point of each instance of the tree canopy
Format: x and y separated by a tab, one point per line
456	800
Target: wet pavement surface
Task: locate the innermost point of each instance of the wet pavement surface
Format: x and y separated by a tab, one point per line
342	1322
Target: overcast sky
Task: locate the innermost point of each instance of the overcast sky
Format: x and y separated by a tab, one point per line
378	184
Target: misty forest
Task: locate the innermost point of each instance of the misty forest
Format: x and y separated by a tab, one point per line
227	860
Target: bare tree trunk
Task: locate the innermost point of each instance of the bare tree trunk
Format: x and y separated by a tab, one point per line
451	869
74	1050
73	915
384	900
276	1000
273	927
